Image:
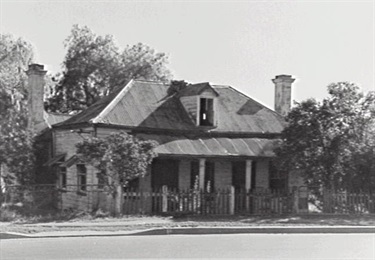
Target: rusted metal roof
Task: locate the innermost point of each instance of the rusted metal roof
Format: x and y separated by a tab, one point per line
212	147
145	104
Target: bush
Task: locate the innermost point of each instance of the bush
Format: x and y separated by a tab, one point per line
8	214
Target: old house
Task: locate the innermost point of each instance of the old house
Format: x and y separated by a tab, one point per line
210	135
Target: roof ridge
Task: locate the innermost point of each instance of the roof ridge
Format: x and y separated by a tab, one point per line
220	86
151	81
58	114
108	108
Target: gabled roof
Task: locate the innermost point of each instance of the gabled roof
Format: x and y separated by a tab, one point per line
196	89
143	104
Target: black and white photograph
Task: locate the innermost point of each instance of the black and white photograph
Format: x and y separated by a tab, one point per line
187	129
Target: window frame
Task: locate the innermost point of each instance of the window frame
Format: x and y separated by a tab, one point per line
62	177
81	175
206	113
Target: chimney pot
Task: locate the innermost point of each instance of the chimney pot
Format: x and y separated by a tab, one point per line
36	68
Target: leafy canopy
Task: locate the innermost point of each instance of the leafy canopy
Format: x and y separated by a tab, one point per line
95	66
119	156
16	143
332	142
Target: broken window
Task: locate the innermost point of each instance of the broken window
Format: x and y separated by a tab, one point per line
206	113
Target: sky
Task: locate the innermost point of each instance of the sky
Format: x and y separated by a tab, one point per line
243	44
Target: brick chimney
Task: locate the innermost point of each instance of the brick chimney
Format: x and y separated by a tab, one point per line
283	93
35	85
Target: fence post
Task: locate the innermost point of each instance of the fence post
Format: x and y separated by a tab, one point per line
247	200
295	200
231	200
119	200
164	199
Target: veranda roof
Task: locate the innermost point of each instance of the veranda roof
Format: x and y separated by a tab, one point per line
55	160
212	146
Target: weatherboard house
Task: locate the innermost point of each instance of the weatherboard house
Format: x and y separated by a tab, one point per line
207	132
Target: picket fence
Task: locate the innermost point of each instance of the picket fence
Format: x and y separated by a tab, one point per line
348	202
199	202
196	202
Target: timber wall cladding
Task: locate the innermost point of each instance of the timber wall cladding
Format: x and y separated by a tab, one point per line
223	174
184	175
262	178
65	141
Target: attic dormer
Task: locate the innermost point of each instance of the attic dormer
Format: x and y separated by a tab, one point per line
200	102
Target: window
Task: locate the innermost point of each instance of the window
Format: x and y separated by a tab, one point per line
82	177
206	113
62	177
278	180
101	179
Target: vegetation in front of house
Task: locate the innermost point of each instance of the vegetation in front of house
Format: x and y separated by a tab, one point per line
119	157
16	142
332	142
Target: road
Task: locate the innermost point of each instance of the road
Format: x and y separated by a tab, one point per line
249	246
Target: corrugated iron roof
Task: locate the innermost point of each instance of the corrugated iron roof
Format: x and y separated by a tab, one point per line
217	147
147	104
55	160
93	111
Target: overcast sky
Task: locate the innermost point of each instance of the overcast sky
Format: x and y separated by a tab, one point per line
239	43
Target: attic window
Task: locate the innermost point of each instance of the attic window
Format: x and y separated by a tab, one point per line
206	113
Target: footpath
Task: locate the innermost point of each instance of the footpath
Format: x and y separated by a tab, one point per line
132	226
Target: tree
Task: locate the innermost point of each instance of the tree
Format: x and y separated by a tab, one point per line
119	158
95	66
332	142
16	142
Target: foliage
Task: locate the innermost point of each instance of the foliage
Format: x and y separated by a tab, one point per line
119	156
332	142
16	143
95	66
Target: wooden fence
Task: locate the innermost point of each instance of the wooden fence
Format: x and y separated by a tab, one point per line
348	202
219	202
166	201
